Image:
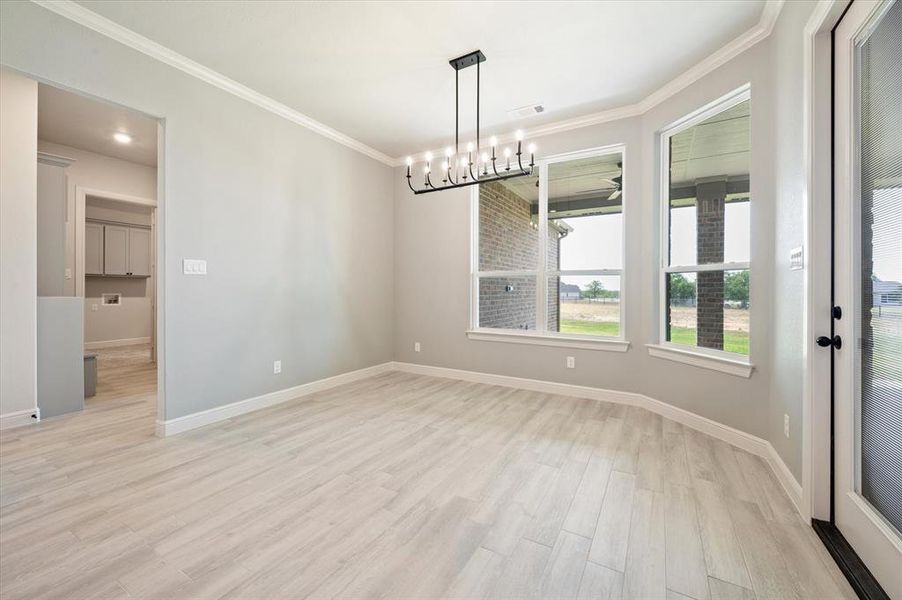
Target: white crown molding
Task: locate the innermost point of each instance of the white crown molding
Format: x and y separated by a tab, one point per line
759	32
54	159
88	18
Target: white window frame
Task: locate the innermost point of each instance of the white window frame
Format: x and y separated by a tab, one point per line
719	360
541	336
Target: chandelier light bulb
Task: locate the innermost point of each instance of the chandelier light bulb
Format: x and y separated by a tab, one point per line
470	160
532	148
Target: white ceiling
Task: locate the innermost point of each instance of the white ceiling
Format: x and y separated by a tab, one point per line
74	120
378	71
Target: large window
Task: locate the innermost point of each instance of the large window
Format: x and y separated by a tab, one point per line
548	258
705	257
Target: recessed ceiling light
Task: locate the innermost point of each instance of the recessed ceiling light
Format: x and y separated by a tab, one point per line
122	138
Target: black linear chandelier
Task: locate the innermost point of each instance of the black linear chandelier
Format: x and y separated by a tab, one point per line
458	172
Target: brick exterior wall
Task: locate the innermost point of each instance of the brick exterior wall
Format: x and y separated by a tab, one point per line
710	246
509	241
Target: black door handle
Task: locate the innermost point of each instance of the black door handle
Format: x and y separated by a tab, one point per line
824	342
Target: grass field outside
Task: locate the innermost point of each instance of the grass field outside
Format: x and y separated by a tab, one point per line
603	318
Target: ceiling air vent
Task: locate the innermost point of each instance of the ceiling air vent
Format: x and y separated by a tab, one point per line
526	111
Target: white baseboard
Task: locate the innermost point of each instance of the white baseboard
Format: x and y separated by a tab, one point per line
221	413
20	418
740	439
792	487
114	343
735	437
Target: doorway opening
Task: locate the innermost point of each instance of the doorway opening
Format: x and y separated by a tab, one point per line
98	279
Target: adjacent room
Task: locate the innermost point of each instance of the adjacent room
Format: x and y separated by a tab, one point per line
96	198
415	300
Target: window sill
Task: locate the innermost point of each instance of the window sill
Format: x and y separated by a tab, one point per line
560	341
731	366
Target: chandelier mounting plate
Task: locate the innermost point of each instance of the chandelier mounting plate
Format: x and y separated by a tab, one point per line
467	60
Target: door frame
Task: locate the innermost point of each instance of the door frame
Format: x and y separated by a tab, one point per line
81	194
818	247
818	456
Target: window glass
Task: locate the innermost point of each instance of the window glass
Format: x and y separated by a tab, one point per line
708	221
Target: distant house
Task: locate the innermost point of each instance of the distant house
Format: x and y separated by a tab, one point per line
569	291
887	293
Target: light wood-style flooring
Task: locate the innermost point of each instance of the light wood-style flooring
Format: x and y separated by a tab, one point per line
398	486
122	372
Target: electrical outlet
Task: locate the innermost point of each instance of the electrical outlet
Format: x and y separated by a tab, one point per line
68	273
276	367
786	425
416	346
571	362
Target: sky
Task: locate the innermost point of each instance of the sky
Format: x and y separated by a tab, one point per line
596	242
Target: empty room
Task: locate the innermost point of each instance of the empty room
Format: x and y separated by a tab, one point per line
416	300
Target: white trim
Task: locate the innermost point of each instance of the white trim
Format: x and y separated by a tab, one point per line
541	335
54	159
704	360
708	267
716	106
123	35
713	61
790	485
228	411
817	127
730	435
610	344
87	18
116	343
20	418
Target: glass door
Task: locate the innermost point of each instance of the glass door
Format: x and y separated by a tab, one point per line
868	286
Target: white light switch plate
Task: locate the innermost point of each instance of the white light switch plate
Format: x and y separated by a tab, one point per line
797	259
193	266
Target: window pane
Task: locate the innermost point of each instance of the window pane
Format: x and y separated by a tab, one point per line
587	305
709	190
709	309
879	322
585	206
508	225
507	302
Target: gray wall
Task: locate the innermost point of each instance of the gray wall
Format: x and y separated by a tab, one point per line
297	229
61	382
51	215
18	247
432	245
787	289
